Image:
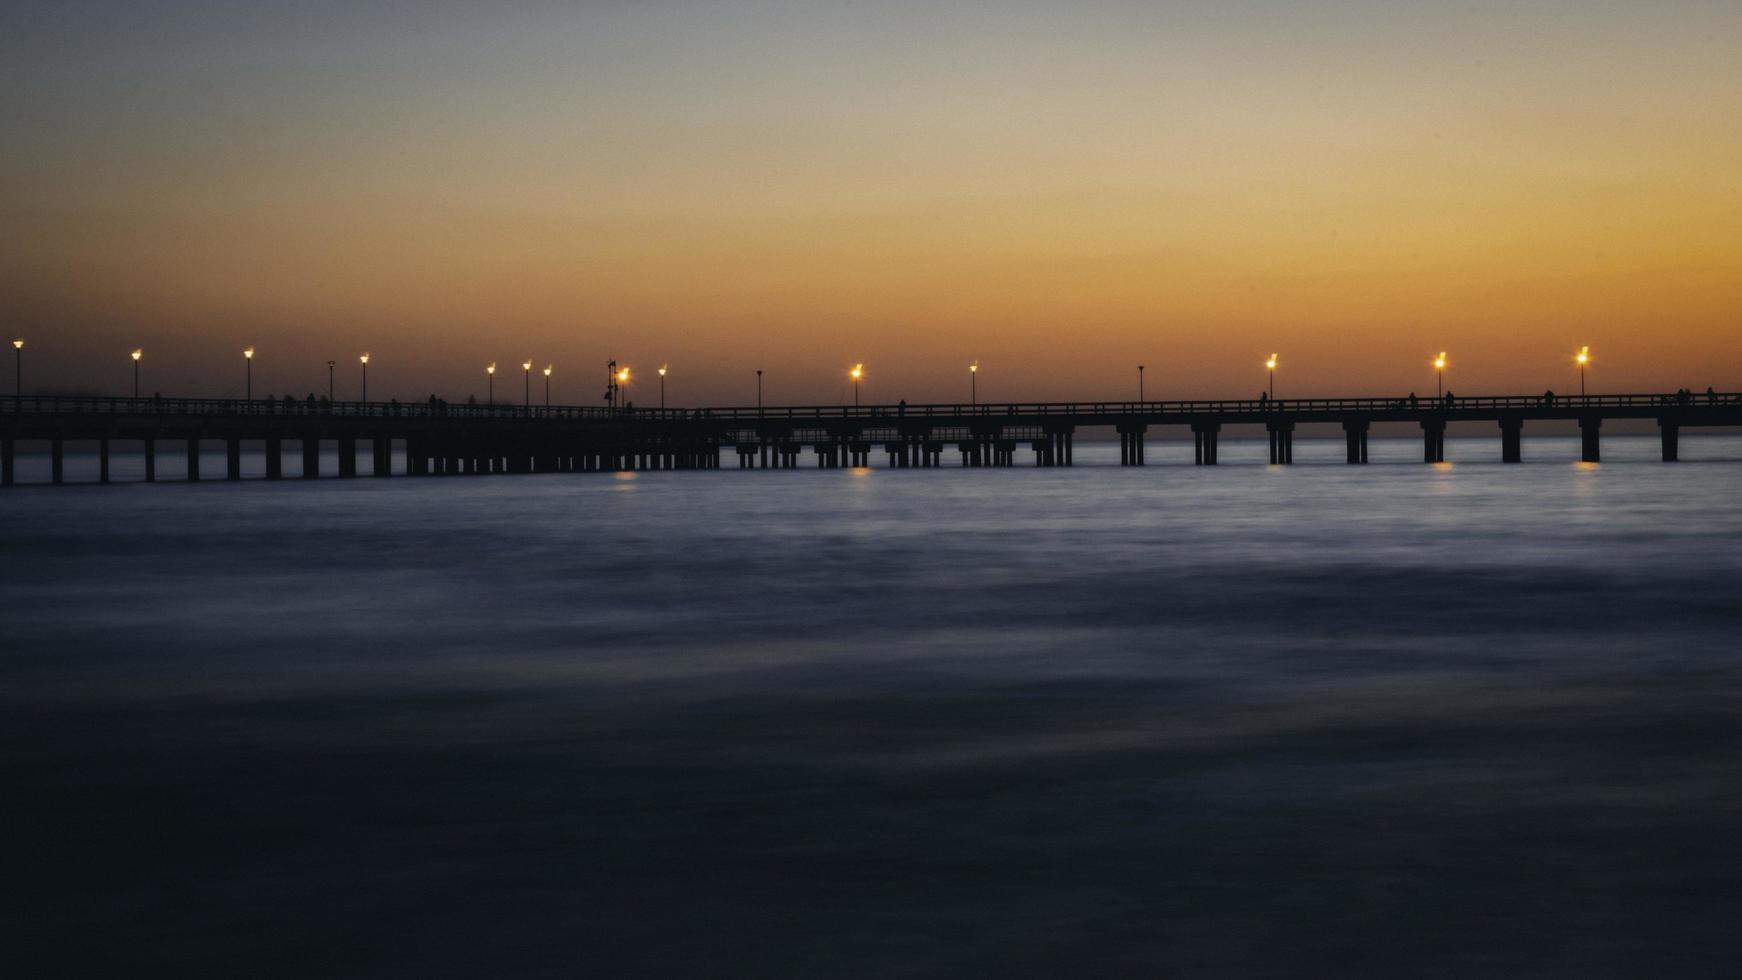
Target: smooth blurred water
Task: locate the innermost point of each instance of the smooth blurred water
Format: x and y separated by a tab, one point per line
1394	720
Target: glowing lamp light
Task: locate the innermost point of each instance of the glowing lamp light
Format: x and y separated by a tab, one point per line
547	368
974	367
1583	356
622	375
526	366
857	372
490	368
248	352
138	353
1440	362
364	358
1271	364
18	344
662	370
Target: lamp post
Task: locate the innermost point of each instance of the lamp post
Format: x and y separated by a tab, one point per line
365	359
662	387
1140	382
622	382
18	368
974	384
330	366
1271	365
547	369
248	358
490	382
758	391
1583	357
1440	374
527	367
137	354
856	374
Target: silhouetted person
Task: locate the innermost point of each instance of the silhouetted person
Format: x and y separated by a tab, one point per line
1413	402
1711	396
901	407
1263	399
1548	398
1449	399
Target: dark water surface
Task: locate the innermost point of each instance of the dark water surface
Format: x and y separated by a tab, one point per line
1392	721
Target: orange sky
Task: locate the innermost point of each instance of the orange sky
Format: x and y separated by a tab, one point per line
799	188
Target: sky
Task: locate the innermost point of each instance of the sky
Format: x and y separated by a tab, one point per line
1058	191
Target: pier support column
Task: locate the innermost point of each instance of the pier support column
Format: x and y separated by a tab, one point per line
1433	440
1590	449
311	458
57	459
102	460
1511	440
193	460
1671	433
1205	437
232	459
7	451
347	457
149	451
1355	438
274	458
1281	442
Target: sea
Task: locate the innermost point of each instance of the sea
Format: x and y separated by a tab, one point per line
1320	720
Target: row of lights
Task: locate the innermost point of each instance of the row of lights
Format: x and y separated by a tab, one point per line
619	376
1440	363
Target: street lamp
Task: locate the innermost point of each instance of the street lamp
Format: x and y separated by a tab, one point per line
622	382
365	359
18	368
974	384
490	371
330	366
856	374
527	367
1583	357
662	387
137	354
1271	364
1139	382
758	391
1440	374
547	368
248	358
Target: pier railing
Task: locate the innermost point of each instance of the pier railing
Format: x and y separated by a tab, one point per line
50	405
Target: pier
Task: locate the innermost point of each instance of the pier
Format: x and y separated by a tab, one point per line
438	438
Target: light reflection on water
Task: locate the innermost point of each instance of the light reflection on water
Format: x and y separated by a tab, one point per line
1466	719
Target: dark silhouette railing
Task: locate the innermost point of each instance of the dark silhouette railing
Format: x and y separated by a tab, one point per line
301	409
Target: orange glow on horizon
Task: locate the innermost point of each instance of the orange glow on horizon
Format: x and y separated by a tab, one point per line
1177	188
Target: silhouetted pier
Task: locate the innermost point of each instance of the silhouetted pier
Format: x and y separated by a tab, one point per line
441	438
